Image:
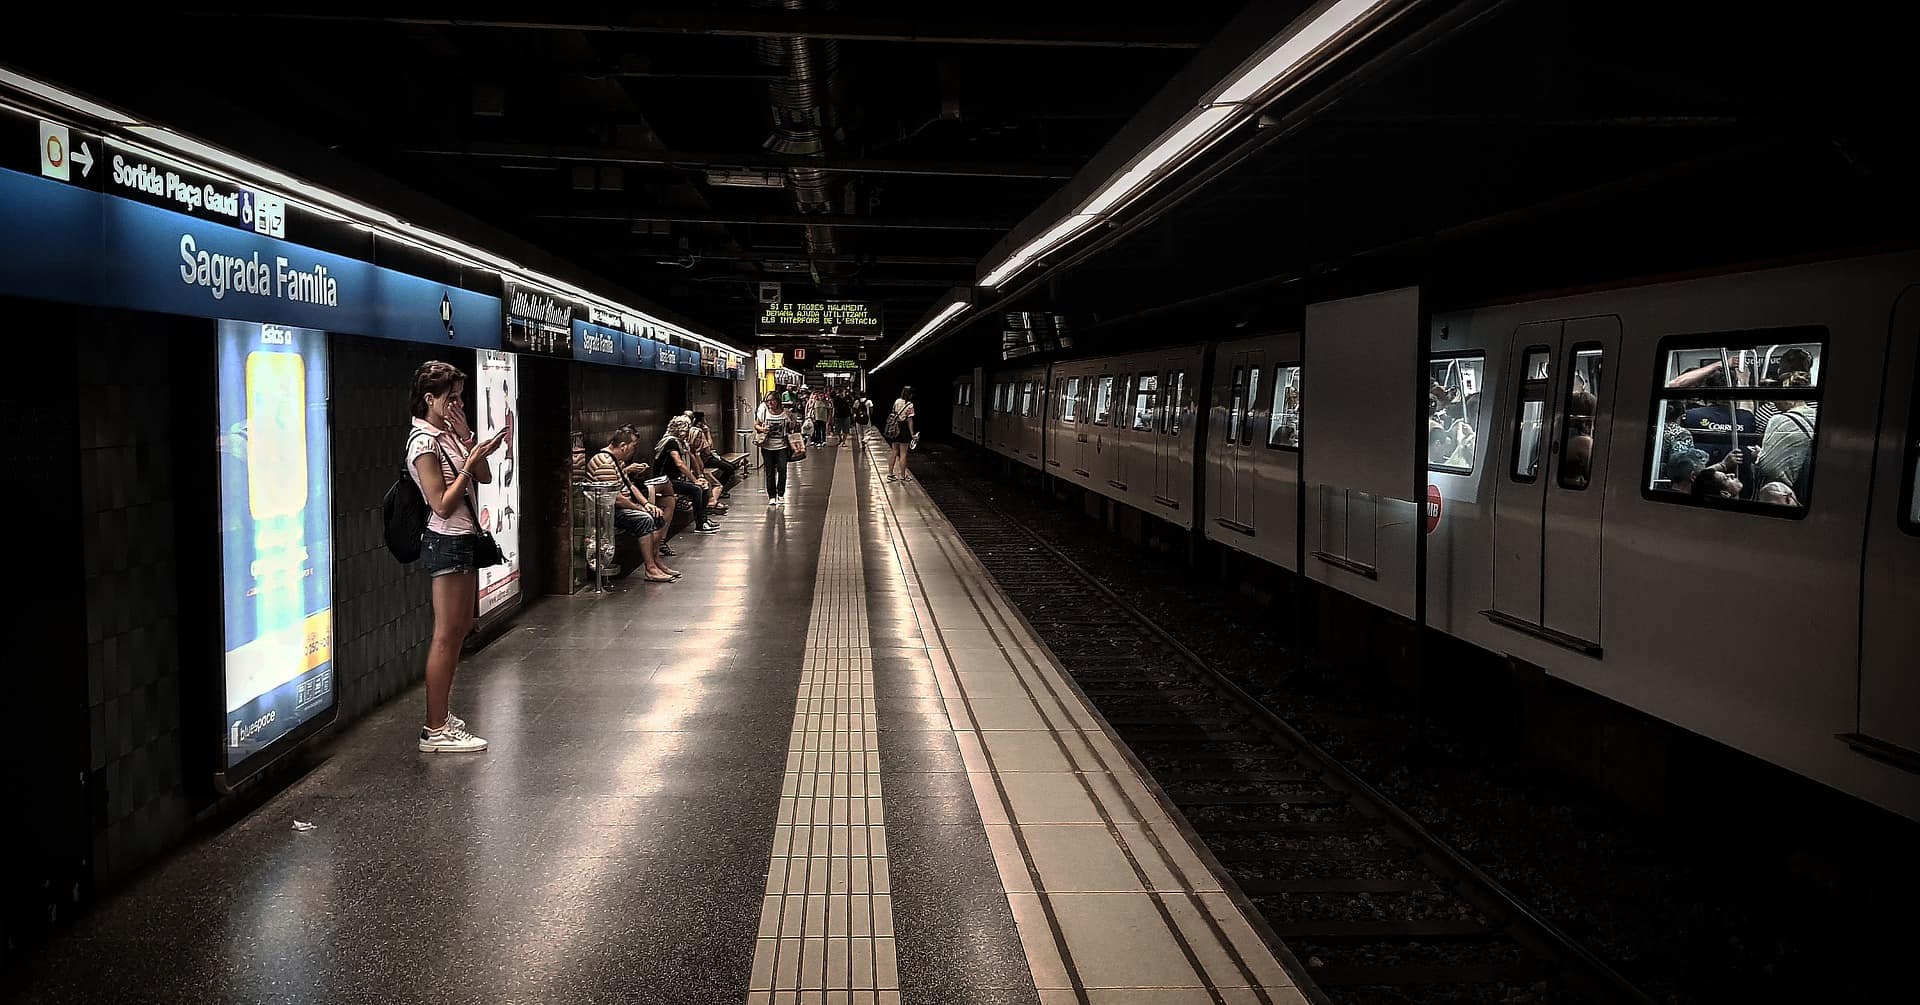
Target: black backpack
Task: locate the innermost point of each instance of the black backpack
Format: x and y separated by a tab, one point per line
404	514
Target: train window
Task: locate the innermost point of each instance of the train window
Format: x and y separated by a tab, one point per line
1536	375
1238	403
1026	398
1284	419
1176	402
1102	400
1070	402
1146	394
1453	417
1735	420
1584	366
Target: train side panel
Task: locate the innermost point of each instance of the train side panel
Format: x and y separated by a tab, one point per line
1741	623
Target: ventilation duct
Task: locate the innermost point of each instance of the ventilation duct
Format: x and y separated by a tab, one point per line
802	122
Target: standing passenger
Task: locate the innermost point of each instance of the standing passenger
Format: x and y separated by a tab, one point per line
900	434
446	462
775	423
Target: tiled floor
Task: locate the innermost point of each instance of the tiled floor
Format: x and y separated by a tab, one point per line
1111	901
684	803
826	923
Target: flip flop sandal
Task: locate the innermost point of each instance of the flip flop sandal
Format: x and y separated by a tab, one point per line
651	578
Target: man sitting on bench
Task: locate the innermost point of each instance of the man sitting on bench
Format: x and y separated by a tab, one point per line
633	510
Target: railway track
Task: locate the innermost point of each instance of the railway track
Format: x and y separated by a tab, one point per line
1376	907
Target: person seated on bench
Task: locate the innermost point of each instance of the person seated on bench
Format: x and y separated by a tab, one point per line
721	471
670	459
633	511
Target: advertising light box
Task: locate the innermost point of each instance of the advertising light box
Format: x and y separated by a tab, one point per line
496	397
276	537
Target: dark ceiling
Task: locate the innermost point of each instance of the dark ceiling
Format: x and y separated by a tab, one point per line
1479	147
608	136
1488	149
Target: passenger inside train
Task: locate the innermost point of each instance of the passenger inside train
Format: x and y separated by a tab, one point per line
1453	413
1744	429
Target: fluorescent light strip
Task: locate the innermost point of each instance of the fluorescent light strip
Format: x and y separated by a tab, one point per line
1199	130
1191	135
221	163
1060	234
1292	52
946	314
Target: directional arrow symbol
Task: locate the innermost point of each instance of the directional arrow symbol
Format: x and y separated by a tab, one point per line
84	158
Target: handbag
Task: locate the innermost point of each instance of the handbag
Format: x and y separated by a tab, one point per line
798	446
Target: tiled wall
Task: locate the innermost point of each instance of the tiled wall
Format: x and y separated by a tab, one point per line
383	612
122	541
47	724
606	398
127	556
148	786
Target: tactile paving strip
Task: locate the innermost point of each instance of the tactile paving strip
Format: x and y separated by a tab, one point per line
826	922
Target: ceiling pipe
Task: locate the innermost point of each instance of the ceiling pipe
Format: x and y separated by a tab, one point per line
801	121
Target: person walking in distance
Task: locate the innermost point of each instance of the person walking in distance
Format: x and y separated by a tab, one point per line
446	462
774	423
900	435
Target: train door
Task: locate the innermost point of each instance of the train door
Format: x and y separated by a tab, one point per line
1233	446
1167	467
1889	700
1547	504
1145	432
1082	446
1119	447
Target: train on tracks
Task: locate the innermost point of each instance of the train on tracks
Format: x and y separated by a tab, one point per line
1697	497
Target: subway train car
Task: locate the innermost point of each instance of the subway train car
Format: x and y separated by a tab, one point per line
1698	498
1123	427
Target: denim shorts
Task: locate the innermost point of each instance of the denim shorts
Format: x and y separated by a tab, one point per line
442	554
639	523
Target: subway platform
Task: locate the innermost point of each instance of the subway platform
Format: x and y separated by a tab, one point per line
830	765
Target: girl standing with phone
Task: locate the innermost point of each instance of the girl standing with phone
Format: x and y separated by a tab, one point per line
446	463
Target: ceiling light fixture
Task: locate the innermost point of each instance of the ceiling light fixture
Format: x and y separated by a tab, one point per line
1260	80
946	314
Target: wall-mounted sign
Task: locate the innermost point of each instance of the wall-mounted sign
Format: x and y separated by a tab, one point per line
538	322
810	317
60	241
836	364
498	377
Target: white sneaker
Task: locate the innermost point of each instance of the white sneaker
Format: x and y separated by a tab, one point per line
773	502
449	739
455	721
707	528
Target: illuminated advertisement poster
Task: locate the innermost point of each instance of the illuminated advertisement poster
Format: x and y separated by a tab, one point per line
499	390
276	533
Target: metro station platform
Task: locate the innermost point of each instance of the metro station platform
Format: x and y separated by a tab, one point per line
829	765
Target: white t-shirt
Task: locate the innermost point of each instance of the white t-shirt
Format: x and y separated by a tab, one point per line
427	438
777	426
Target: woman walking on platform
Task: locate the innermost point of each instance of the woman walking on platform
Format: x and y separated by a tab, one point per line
900	434
446	463
774	423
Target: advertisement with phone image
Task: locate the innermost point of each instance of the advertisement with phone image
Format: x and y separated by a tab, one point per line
276	534
495	400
